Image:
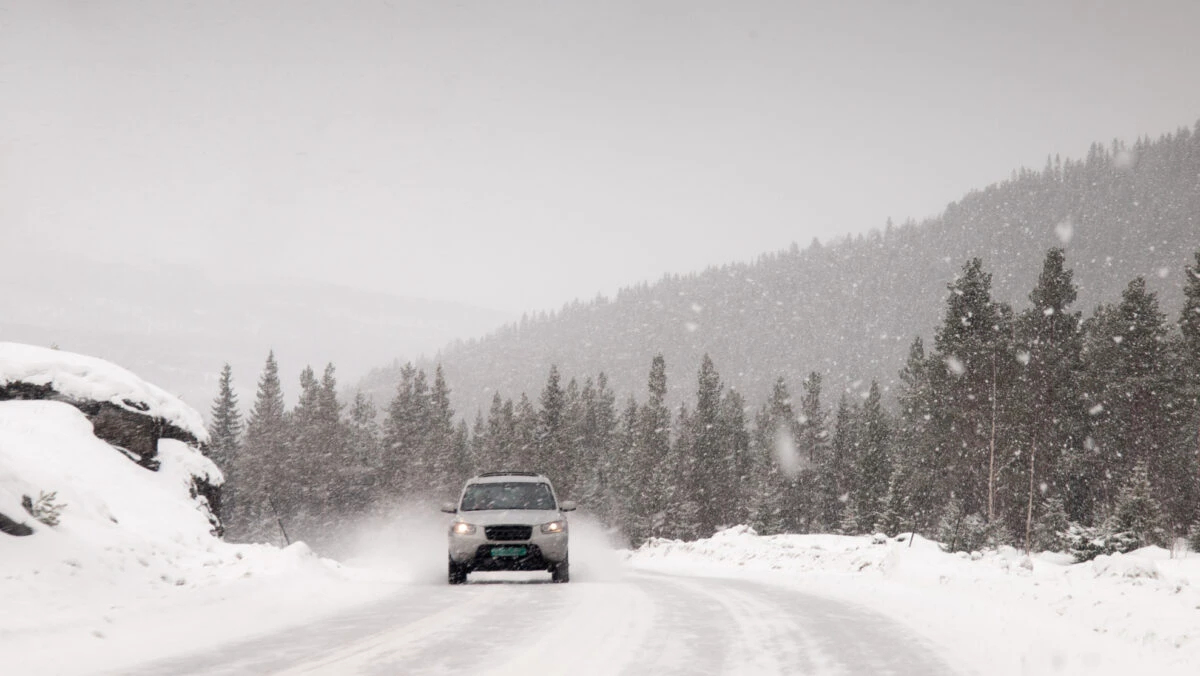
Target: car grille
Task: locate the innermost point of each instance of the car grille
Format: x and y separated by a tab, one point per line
506	533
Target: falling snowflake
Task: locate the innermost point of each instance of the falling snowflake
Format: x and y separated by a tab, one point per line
1163	272
1023	357
1118	339
955	365
697	308
692	327
1065	230
1048	311
1096	410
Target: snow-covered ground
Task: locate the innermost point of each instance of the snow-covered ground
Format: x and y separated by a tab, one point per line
131	571
994	613
131	580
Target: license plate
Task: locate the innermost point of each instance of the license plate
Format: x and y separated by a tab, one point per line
508	551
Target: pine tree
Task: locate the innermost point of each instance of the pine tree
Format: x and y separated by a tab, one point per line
738	461
1137	512
225	431
552	441
258	467
972	358
707	455
874	459
1189	325
526	428
365	445
813	441
1047	409
651	473
302	468
920	478
446	460
224	436
850	521
838	474
1133	399
1051	527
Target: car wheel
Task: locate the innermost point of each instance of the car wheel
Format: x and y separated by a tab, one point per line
561	572
457	573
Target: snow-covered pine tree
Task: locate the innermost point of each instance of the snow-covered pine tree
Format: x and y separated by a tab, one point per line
850	519
224	439
1049	419
738	461
970	360
364	444
874	459
651	473
552	439
256	465
1051	526
707	455
1137	512
1189	359
838	476
225	430
445	459
923	485
1133	396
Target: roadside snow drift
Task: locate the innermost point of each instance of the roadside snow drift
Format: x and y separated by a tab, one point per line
124	568
997	612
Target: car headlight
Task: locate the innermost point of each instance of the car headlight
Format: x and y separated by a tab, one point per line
554	527
461	528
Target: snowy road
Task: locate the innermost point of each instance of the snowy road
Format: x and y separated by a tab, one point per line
641	624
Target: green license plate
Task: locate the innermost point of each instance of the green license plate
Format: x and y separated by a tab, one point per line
498	552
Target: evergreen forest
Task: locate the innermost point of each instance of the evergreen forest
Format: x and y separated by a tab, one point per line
1035	425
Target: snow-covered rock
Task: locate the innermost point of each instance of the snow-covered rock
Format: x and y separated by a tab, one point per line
80	378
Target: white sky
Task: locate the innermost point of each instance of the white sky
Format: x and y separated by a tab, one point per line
517	155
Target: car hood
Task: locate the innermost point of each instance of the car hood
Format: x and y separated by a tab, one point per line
522	517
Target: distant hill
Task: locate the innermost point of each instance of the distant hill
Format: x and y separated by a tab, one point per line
850	308
176	326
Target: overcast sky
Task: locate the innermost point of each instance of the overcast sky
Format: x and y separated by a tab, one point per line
517	155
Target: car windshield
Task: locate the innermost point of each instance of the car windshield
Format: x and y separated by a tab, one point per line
508	495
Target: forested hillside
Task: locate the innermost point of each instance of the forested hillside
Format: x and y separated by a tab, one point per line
848	309
1046	396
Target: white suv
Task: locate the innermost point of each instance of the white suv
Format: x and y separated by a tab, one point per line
508	521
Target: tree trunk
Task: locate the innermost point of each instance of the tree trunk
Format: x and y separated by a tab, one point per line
1029	509
992	451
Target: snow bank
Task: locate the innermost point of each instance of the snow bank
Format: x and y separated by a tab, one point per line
995	612
132	572
87	378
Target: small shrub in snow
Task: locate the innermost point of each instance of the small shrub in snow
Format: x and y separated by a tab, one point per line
1138	513
1050	529
47	509
1194	537
1085	543
962	533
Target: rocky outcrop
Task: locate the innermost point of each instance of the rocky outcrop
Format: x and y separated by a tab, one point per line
135	434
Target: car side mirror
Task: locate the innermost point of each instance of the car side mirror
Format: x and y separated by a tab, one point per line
567	505
449	508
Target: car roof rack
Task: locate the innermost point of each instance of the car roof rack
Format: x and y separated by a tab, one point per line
513	473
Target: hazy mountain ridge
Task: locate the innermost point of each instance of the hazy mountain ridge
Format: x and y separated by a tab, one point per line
850	309
176	326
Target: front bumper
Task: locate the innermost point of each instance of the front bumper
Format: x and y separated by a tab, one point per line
542	551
